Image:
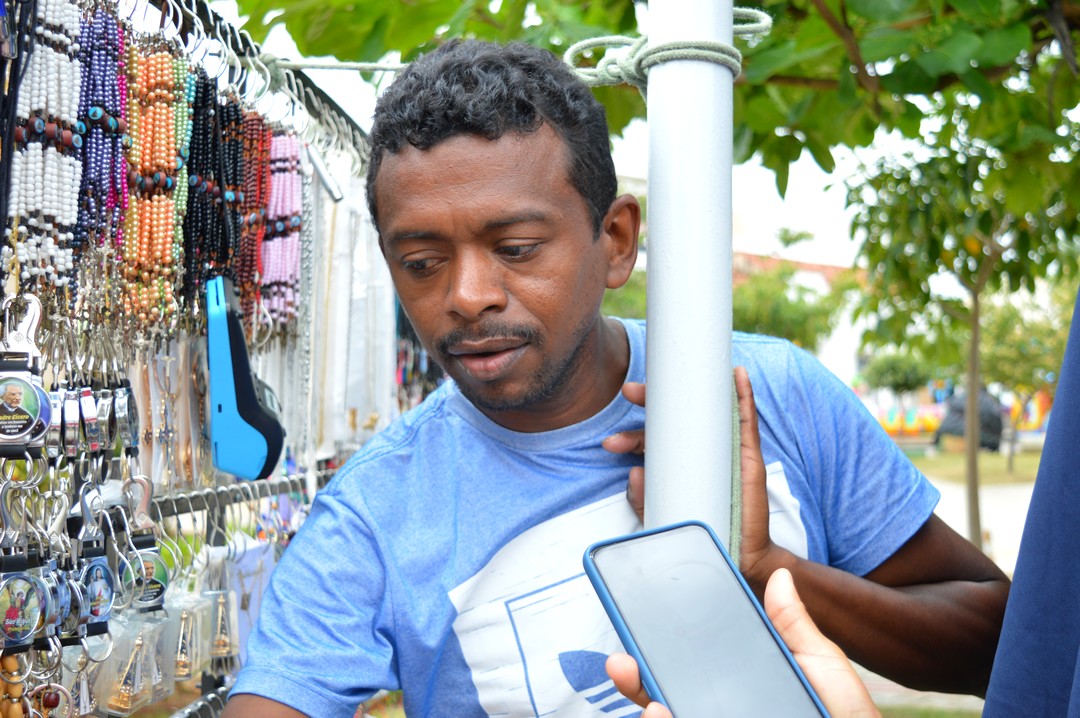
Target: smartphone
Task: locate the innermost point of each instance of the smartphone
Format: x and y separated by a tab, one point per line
703	643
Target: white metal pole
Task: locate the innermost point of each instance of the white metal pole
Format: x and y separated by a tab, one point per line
688	411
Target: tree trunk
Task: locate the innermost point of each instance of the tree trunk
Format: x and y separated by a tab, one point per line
1014	423
971	428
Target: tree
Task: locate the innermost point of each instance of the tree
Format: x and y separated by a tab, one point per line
1025	340
901	373
767	302
831	73
964	208
628	301
773	302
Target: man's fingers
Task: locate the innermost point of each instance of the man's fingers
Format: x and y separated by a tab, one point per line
824	664
788	614
626	442
635	491
623	671
749	437
755	499
634	392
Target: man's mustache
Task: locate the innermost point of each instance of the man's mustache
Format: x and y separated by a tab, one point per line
525	334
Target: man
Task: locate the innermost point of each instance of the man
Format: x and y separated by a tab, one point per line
14	419
445	557
11	400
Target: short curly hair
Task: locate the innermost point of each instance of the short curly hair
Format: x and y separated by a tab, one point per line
488	89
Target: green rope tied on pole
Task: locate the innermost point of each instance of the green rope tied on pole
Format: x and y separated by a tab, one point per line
632	67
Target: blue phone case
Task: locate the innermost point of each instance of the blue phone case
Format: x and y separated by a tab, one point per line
627	638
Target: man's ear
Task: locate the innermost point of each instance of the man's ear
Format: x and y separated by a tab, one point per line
620	231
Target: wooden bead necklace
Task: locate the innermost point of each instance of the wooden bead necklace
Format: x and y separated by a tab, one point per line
253	199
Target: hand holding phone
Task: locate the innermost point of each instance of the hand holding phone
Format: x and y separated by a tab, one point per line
703	643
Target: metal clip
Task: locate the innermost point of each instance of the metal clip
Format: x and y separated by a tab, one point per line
11	537
88	410
90	531
23	338
71	423
120	415
104	417
140	513
54	436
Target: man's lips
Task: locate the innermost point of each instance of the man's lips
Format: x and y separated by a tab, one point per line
488	359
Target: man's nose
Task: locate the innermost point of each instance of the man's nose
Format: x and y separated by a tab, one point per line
476	285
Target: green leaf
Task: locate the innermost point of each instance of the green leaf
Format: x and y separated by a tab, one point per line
762	114
846	86
910	120
908	78
977	83
821	153
882	44
760	66
881	10
778	154
954	55
622	104
980	10
742	144
1002	45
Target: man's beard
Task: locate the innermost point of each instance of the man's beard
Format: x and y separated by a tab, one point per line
547	381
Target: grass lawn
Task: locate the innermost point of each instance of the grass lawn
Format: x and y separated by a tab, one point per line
951	466
913	712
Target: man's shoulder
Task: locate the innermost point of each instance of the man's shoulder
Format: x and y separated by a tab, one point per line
414	439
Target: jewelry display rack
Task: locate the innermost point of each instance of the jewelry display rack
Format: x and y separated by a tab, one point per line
248	54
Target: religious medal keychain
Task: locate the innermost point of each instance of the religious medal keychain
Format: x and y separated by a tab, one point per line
147	574
25	407
95	575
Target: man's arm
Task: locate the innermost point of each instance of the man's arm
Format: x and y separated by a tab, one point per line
929	616
247	705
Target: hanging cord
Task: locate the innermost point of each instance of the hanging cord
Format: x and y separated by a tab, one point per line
631	68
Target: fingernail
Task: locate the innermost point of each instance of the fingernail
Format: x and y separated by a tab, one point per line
629	492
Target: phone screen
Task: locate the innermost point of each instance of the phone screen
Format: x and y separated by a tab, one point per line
702	638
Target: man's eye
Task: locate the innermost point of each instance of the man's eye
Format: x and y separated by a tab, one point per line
420	266
518	251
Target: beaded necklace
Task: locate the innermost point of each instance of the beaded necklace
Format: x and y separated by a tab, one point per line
253	198
231	172
159	80
281	246
102	196
46	167
202	227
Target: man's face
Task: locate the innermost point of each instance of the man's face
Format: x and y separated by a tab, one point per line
12	395
492	252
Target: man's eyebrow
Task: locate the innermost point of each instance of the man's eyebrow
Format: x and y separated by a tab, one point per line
534	216
405	236
490	225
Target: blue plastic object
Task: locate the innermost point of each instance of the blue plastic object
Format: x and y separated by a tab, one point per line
245	433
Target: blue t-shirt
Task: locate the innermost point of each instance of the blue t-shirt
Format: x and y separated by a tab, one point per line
444	558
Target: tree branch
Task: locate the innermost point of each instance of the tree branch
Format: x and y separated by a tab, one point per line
867	80
814	83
